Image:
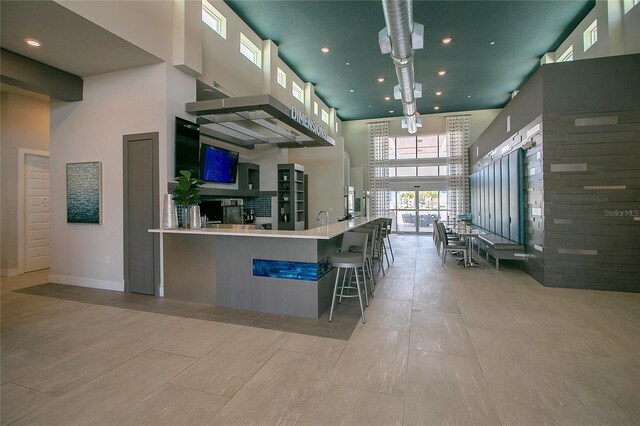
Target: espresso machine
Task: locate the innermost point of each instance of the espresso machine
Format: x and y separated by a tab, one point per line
249	215
232	211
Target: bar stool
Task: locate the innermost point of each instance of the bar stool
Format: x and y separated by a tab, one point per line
350	261
387	223
379	249
369	255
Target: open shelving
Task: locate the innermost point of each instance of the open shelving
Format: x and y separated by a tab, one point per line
291	206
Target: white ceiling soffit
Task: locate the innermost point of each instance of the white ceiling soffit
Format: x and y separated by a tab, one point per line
250	120
70	42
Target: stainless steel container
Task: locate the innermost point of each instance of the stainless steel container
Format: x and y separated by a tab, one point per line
169	212
195	221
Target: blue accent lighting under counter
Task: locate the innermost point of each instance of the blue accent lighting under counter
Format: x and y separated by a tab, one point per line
306	271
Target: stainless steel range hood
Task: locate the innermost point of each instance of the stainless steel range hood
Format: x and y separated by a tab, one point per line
262	119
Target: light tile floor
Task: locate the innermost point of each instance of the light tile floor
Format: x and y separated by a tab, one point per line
441	346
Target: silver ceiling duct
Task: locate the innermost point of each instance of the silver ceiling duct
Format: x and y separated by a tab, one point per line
400	37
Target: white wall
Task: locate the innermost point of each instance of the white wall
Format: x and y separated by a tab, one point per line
237	76
618	33
145	23
222	61
357	139
114	104
325	167
631	30
25	124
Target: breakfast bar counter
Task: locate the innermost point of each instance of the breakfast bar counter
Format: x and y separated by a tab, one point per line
274	271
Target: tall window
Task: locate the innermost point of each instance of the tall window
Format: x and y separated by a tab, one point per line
282	78
418	180
590	35
325	116
423	146
214	19
250	51
297	92
567	55
315	107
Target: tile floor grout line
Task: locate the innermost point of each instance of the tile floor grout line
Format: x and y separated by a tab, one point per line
475	357
262	364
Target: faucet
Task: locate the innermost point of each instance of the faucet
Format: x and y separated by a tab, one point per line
326	217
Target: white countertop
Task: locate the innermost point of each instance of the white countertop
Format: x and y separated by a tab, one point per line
321	233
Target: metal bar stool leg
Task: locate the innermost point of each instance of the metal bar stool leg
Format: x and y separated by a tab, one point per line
344	279
364	279
333	298
373	277
360	298
384	251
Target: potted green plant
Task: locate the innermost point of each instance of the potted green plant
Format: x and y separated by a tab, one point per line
466	218
187	197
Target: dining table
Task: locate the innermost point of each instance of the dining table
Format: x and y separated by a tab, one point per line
469	234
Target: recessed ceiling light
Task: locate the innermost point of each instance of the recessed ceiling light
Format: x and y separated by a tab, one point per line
347	63
436	107
438	93
442	72
325	50
208	90
32	42
351	90
492	43
380	79
446	40
369	106
468	96
386	98
391	111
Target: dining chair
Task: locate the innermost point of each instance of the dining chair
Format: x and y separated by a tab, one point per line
450	246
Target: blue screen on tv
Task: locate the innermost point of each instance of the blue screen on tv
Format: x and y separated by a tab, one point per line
217	164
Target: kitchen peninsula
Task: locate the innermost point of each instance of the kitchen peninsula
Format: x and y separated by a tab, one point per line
274	271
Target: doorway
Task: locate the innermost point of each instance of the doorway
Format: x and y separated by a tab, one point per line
413	210
141	213
34	211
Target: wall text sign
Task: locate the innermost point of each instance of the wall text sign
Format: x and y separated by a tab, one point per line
312	125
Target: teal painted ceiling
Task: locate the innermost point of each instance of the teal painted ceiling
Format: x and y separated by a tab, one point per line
479	75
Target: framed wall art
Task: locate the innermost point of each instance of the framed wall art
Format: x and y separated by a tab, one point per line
84	192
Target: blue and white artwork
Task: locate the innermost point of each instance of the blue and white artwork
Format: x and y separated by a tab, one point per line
84	192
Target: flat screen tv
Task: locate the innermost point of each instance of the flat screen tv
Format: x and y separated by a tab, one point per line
218	164
187	152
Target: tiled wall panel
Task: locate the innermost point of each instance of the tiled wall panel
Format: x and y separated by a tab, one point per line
592	236
534	221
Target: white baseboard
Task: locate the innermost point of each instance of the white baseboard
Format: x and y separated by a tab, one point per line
87	282
10	272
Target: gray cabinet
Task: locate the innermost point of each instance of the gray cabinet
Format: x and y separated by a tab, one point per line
291	200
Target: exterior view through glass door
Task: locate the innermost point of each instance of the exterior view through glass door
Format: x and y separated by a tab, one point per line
418	181
412	210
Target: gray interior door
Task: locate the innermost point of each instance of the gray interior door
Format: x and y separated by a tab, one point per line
141	213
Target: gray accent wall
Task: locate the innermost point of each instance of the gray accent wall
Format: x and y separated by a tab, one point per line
579	123
534	219
592	201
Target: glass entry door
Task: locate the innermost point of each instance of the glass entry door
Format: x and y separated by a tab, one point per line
413	210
